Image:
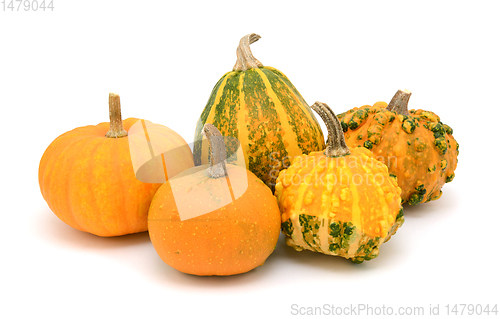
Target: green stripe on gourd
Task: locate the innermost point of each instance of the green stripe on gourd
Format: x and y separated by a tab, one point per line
297	117
203	119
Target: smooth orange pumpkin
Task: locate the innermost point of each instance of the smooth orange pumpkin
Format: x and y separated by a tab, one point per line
227	240
87	178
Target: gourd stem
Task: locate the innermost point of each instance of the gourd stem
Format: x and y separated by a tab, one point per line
115	117
246	60
399	103
217	151
335	145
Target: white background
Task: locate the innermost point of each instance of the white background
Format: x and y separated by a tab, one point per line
163	58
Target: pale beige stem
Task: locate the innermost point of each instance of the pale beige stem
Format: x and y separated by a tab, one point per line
246	60
217	149
115	118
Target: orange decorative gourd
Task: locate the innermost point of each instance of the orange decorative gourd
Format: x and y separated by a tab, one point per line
340	202
416	146
232	223
87	178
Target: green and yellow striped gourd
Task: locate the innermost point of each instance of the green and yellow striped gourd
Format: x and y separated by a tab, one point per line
260	107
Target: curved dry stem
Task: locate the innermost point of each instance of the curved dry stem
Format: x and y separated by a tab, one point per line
245	59
336	145
217	151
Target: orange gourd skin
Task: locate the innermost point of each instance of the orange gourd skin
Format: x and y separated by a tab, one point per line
231	240
343	206
88	180
418	149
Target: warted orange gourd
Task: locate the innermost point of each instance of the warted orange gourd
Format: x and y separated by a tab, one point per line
340	202
416	146
87	178
234	219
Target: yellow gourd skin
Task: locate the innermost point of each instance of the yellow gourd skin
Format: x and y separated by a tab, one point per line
345	206
418	148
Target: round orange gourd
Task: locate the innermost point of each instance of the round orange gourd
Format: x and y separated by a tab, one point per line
222	239
340	202
416	146
87	178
